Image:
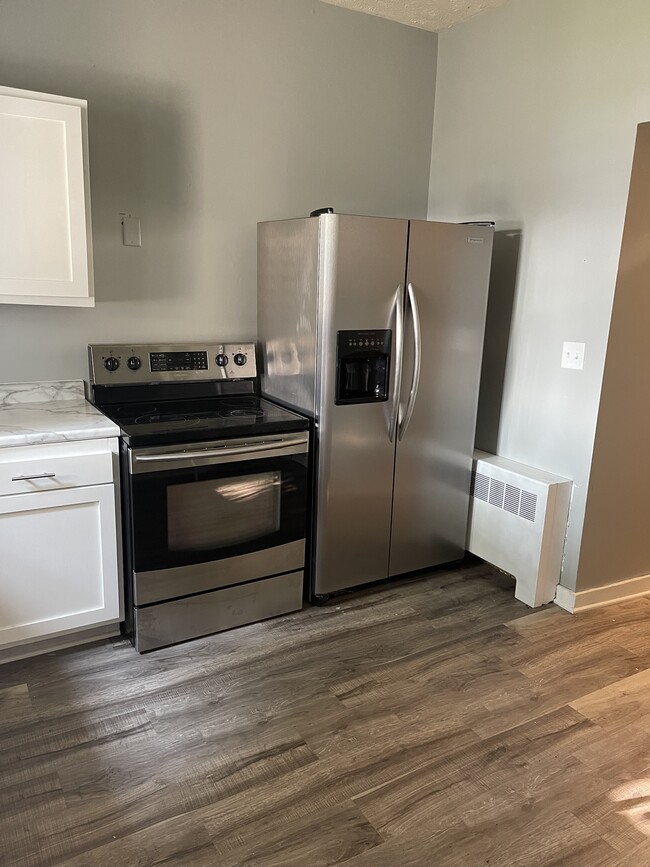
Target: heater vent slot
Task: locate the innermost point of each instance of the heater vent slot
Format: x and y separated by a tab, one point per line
528	506
480	486
497	490
512	498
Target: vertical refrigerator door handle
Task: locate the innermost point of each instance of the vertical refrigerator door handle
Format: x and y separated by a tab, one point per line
399	349
417	363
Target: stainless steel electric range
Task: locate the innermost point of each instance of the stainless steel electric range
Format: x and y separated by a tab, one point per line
214	488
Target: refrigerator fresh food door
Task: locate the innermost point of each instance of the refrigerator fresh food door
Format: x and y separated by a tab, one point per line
361	288
447	283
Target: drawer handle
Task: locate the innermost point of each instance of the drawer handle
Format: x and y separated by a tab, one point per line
29	478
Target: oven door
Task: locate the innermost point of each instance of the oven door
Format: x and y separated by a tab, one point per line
216	514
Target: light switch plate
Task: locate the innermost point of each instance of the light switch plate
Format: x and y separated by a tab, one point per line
573	355
131	232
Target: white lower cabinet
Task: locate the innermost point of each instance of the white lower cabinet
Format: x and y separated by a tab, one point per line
59	546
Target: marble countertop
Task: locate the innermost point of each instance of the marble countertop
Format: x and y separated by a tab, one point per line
49	412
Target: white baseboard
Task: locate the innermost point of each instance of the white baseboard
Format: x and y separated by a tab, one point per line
582	600
70	638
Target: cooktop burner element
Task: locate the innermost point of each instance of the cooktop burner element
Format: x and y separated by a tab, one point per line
247	412
169	418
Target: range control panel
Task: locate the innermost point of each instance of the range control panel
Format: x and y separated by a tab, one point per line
121	364
168	361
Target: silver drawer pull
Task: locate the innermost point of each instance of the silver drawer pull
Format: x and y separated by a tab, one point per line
29	478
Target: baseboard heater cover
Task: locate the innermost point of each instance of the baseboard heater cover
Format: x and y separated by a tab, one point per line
518	520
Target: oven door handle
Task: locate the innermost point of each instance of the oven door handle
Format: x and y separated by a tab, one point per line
299	445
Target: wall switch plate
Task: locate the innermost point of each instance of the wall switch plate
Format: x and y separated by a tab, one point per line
573	355
131	232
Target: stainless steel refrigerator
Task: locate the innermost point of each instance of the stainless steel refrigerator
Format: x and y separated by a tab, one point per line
374	328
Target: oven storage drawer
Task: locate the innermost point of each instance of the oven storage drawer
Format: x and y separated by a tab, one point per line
183	619
163	584
52	467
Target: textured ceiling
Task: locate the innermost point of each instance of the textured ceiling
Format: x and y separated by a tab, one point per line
426	14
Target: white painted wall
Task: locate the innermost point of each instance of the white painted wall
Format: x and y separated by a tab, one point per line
536	111
206	116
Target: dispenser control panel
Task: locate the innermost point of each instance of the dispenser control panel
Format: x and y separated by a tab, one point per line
359	341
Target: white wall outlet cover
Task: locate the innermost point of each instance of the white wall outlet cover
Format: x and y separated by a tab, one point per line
573	355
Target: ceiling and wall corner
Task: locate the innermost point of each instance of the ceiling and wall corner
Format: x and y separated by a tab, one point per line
204	118
537	106
426	14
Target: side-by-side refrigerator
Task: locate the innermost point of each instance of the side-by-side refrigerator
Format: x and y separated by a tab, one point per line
374	328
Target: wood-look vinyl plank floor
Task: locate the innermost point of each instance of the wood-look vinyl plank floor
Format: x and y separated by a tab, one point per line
434	722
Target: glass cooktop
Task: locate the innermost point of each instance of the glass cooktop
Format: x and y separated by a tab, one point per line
181	421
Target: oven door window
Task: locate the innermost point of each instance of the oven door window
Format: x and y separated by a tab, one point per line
218	513
196	515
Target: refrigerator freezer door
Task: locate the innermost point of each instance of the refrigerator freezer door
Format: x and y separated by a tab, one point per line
448	272
361	276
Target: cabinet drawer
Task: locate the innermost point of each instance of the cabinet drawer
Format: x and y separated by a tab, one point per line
46	468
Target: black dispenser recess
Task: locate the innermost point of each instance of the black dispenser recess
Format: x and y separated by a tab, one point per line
362	366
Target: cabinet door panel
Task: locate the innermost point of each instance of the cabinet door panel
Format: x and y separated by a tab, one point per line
44	211
58	562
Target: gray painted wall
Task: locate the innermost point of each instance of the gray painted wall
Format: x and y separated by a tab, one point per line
537	106
206	116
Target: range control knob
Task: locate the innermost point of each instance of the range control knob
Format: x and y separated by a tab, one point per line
221	359
134	363
240	359
111	363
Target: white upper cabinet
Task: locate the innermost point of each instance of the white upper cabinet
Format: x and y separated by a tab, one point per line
45	229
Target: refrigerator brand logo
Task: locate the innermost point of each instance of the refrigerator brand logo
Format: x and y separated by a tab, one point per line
471	240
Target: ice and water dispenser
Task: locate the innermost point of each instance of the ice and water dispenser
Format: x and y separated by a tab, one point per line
362	366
